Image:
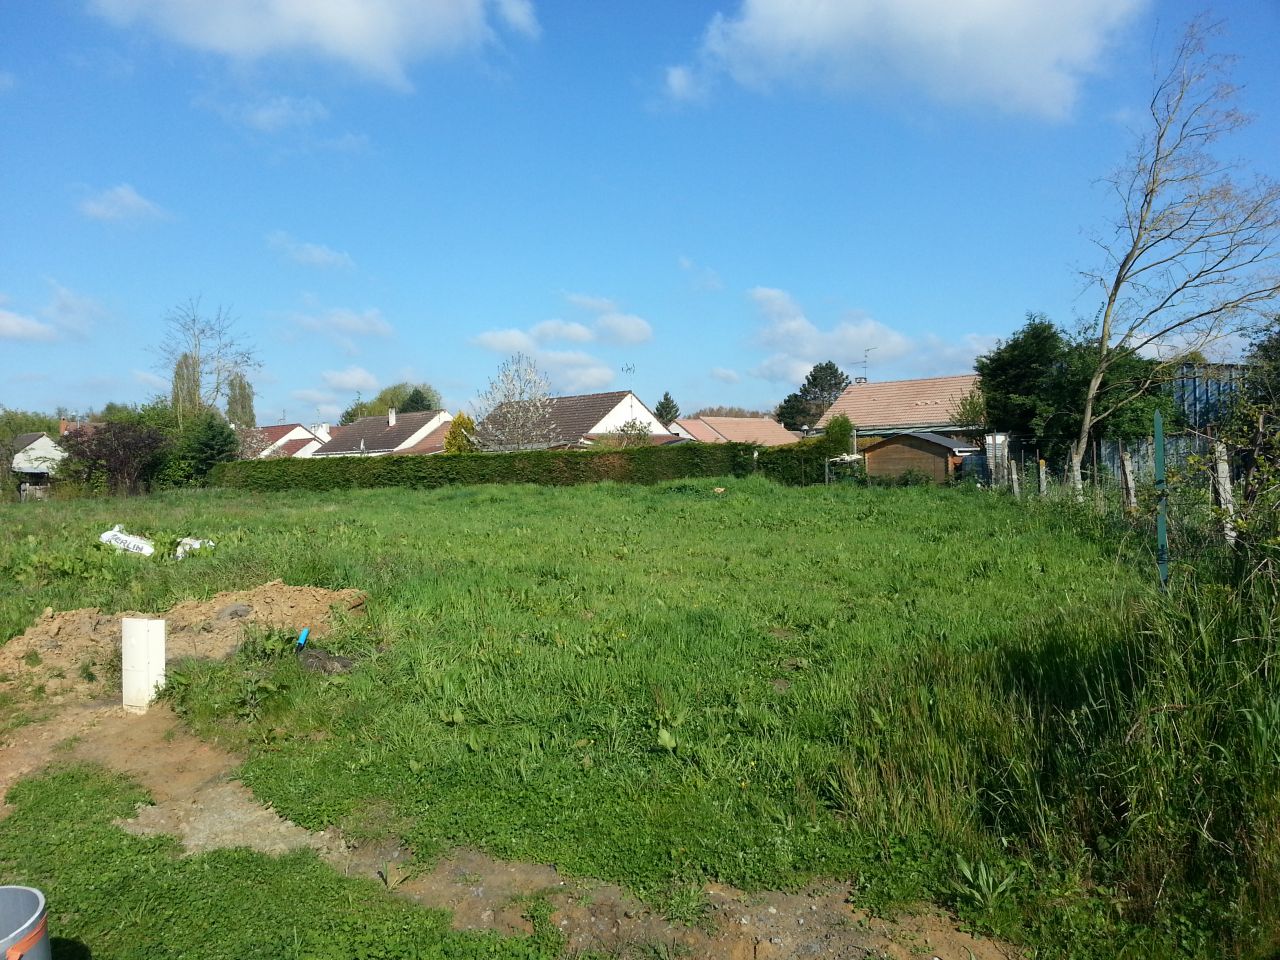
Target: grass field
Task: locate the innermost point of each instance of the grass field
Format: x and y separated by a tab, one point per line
941	694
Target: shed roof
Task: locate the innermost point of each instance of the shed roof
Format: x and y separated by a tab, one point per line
938	439
24	440
900	404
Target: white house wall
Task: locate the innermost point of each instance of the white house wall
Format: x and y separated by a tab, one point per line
416	437
297	433
629	408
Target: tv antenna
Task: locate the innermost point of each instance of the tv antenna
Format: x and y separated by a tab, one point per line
629	368
866	354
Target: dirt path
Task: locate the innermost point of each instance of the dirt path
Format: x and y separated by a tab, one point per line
197	800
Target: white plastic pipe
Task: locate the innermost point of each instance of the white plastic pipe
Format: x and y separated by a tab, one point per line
141	661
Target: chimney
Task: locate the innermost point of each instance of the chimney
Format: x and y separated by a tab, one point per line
859	380
391	416
63	426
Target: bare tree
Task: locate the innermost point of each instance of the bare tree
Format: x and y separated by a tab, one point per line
1194	254
514	413
203	352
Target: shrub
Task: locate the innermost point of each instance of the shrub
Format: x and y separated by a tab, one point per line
546	467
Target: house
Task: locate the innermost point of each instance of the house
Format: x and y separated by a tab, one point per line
379	436
291	440
35	459
930	404
585	419
934	454
761	431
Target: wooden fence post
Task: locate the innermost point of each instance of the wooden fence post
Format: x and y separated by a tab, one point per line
1127	483
1044	478
1222	493
1013	479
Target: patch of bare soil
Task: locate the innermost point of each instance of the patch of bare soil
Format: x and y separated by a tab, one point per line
196	800
75	655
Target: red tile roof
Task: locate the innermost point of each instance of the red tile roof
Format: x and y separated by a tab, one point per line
277	430
291	447
699	430
759	430
930	402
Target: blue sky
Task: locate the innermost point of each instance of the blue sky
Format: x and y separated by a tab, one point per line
701	196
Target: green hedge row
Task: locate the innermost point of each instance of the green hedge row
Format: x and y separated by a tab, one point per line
546	467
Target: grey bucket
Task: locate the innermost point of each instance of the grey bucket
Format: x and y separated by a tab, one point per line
22	924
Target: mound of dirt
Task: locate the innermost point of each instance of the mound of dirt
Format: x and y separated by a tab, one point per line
76	654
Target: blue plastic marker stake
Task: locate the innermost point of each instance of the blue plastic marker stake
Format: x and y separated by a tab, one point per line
302	637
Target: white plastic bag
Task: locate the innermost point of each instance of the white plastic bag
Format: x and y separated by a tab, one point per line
121	540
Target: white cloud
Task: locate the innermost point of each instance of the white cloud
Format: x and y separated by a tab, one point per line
72	311
797	344
611	323
704	278
520	16
121	203
1022	55
562	330
313	397
685	84
624	327
15	326
362	323
506	341
379	38
350	380
308	254
279	113
148	379
574	371
725	375
594	304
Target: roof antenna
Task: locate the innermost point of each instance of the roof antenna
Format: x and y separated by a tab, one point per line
865	355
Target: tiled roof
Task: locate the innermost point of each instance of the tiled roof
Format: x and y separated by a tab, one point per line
696	428
575	416
277	430
376	435
433	442
24	440
759	430
290	447
571	417
929	402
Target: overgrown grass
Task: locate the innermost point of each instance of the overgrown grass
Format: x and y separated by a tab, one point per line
938	693
125	897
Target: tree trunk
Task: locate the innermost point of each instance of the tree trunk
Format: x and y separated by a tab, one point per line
1128	483
1077	478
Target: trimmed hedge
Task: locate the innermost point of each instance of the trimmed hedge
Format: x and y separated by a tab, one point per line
546	467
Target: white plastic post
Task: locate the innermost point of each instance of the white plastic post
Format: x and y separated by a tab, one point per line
141	661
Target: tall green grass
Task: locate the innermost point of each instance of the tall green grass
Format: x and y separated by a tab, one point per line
939	694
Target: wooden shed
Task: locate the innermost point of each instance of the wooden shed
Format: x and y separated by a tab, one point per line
932	454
